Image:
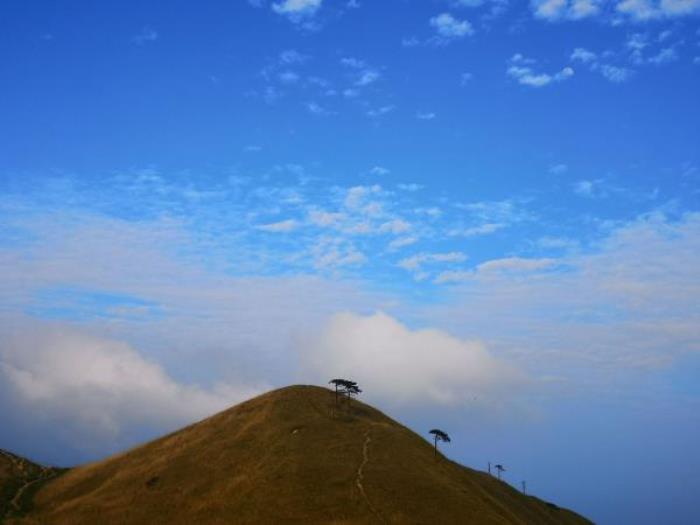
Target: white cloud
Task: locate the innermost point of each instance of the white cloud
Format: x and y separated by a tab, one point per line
449	28
654	9
558	169
583	55
288	77
636	10
454	276
394	226
379	170
367	77
515	264
664	35
416	262
636	42
146	35
380	111
433	366
291	56
412	186
317	109
356	196
615	74
504	212
566	9
98	387
401	242
431	211
429	115
324	218
585	187
481	229
520	68
334	253
631	302
271	94
466	3
285	226
297	8
557	242
665	55
353	62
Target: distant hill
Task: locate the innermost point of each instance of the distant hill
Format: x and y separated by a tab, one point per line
285	457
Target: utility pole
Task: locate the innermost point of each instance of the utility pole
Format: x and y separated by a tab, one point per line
524	487
489	468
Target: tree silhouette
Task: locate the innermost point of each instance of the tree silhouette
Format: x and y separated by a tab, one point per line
338	383
500	468
439	435
352	389
345	387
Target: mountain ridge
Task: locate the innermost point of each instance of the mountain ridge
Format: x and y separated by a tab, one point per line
287	456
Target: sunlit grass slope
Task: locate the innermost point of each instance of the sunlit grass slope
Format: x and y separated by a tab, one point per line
284	457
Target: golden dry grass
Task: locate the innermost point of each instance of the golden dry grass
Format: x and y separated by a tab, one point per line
284	458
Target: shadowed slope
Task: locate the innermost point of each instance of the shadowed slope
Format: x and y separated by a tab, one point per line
19	478
283	458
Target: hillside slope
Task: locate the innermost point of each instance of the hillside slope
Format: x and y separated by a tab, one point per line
19	478
283	457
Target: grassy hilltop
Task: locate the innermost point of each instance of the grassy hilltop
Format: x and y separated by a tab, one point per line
284	457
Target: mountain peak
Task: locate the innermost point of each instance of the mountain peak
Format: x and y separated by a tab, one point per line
292	455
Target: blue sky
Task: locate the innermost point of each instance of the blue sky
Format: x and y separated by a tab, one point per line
498	200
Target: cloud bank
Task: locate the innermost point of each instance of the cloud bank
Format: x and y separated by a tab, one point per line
402	366
92	389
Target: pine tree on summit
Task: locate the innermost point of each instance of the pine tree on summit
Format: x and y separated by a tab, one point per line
439	436
352	389
345	387
338	383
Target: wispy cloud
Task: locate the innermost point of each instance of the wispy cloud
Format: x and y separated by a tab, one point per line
146	35
416	263
448	28
522	70
566	9
558	169
279	227
297	9
380	111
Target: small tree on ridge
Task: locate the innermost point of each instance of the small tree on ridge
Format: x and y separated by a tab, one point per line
439	435
345	387
338	383
500	468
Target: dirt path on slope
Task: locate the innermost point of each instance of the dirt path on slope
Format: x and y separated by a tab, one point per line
360	475
45	474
